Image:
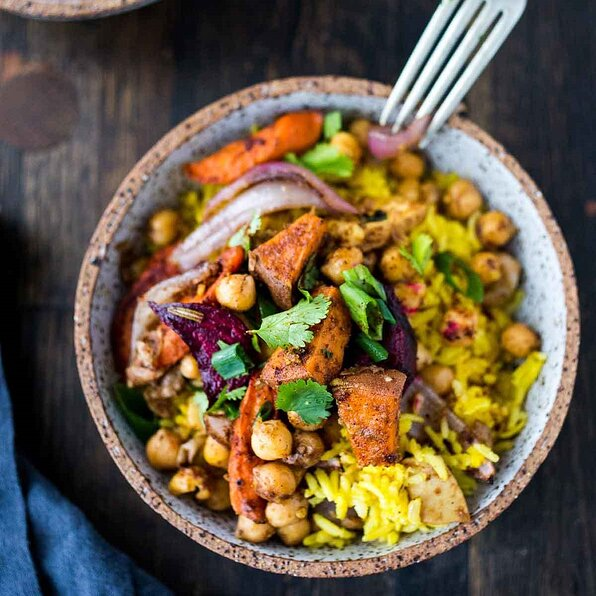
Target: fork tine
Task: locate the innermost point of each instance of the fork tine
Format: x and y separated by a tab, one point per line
480	26
488	49
438	21
461	19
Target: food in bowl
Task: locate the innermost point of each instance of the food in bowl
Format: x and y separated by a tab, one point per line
326	344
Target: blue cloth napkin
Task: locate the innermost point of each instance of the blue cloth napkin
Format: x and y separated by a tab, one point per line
46	543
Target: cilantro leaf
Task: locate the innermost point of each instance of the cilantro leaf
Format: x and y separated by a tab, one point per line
364	310
331	124
308	279
231	410
309	399
134	408
265	411
324	160
446	262
291	327
231	360
422	249
361	277
243	235
225	397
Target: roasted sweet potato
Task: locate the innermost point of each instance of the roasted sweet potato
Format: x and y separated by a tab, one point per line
368	400
442	500
322	358
280	261
245	500
294	132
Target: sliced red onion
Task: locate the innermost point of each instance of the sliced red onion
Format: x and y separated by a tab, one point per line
384	144
279	171
266	197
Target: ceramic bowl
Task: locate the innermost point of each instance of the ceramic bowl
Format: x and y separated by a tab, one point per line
69	10
550	307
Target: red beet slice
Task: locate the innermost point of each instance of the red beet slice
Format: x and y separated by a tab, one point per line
201	332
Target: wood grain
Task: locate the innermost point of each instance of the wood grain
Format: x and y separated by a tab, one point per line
135	76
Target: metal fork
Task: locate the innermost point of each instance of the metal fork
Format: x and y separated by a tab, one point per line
488	23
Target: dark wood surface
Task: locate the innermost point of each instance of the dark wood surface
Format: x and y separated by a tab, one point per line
135	76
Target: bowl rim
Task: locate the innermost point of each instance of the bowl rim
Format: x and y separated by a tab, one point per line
38	9
107	227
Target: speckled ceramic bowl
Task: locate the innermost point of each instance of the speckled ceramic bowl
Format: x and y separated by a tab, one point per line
550	307
70	10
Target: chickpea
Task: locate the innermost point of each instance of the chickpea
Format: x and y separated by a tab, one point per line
219	499
163	227
347	144
502	290
308	449
459	326
189	368
296	421
439	377
359	128
215	454
462	199
409	189
294	534
488	267
430	193
188	452
188	480
271	440
341	260
162	449
345	233
236	292
519	340
410	294
288	511
274	481
248	530
394	266
407	164
495	229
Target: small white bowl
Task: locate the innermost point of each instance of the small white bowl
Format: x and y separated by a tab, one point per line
550	307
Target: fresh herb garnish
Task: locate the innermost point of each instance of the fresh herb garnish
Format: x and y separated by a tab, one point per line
265	411
309	399
231	360
266	306
324	160
200	401
243	235
447	262
331	124
291	327
225	397
361	277
134	408
231	410
364	310
365	298
374	349
422	250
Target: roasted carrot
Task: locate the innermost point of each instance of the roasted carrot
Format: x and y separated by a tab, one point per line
242	462
293	132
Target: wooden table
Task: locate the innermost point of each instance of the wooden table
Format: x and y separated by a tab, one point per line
120	83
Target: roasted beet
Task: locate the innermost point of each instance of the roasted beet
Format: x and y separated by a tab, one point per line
201	326
399	339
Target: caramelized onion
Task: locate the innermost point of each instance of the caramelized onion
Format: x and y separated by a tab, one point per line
384	144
